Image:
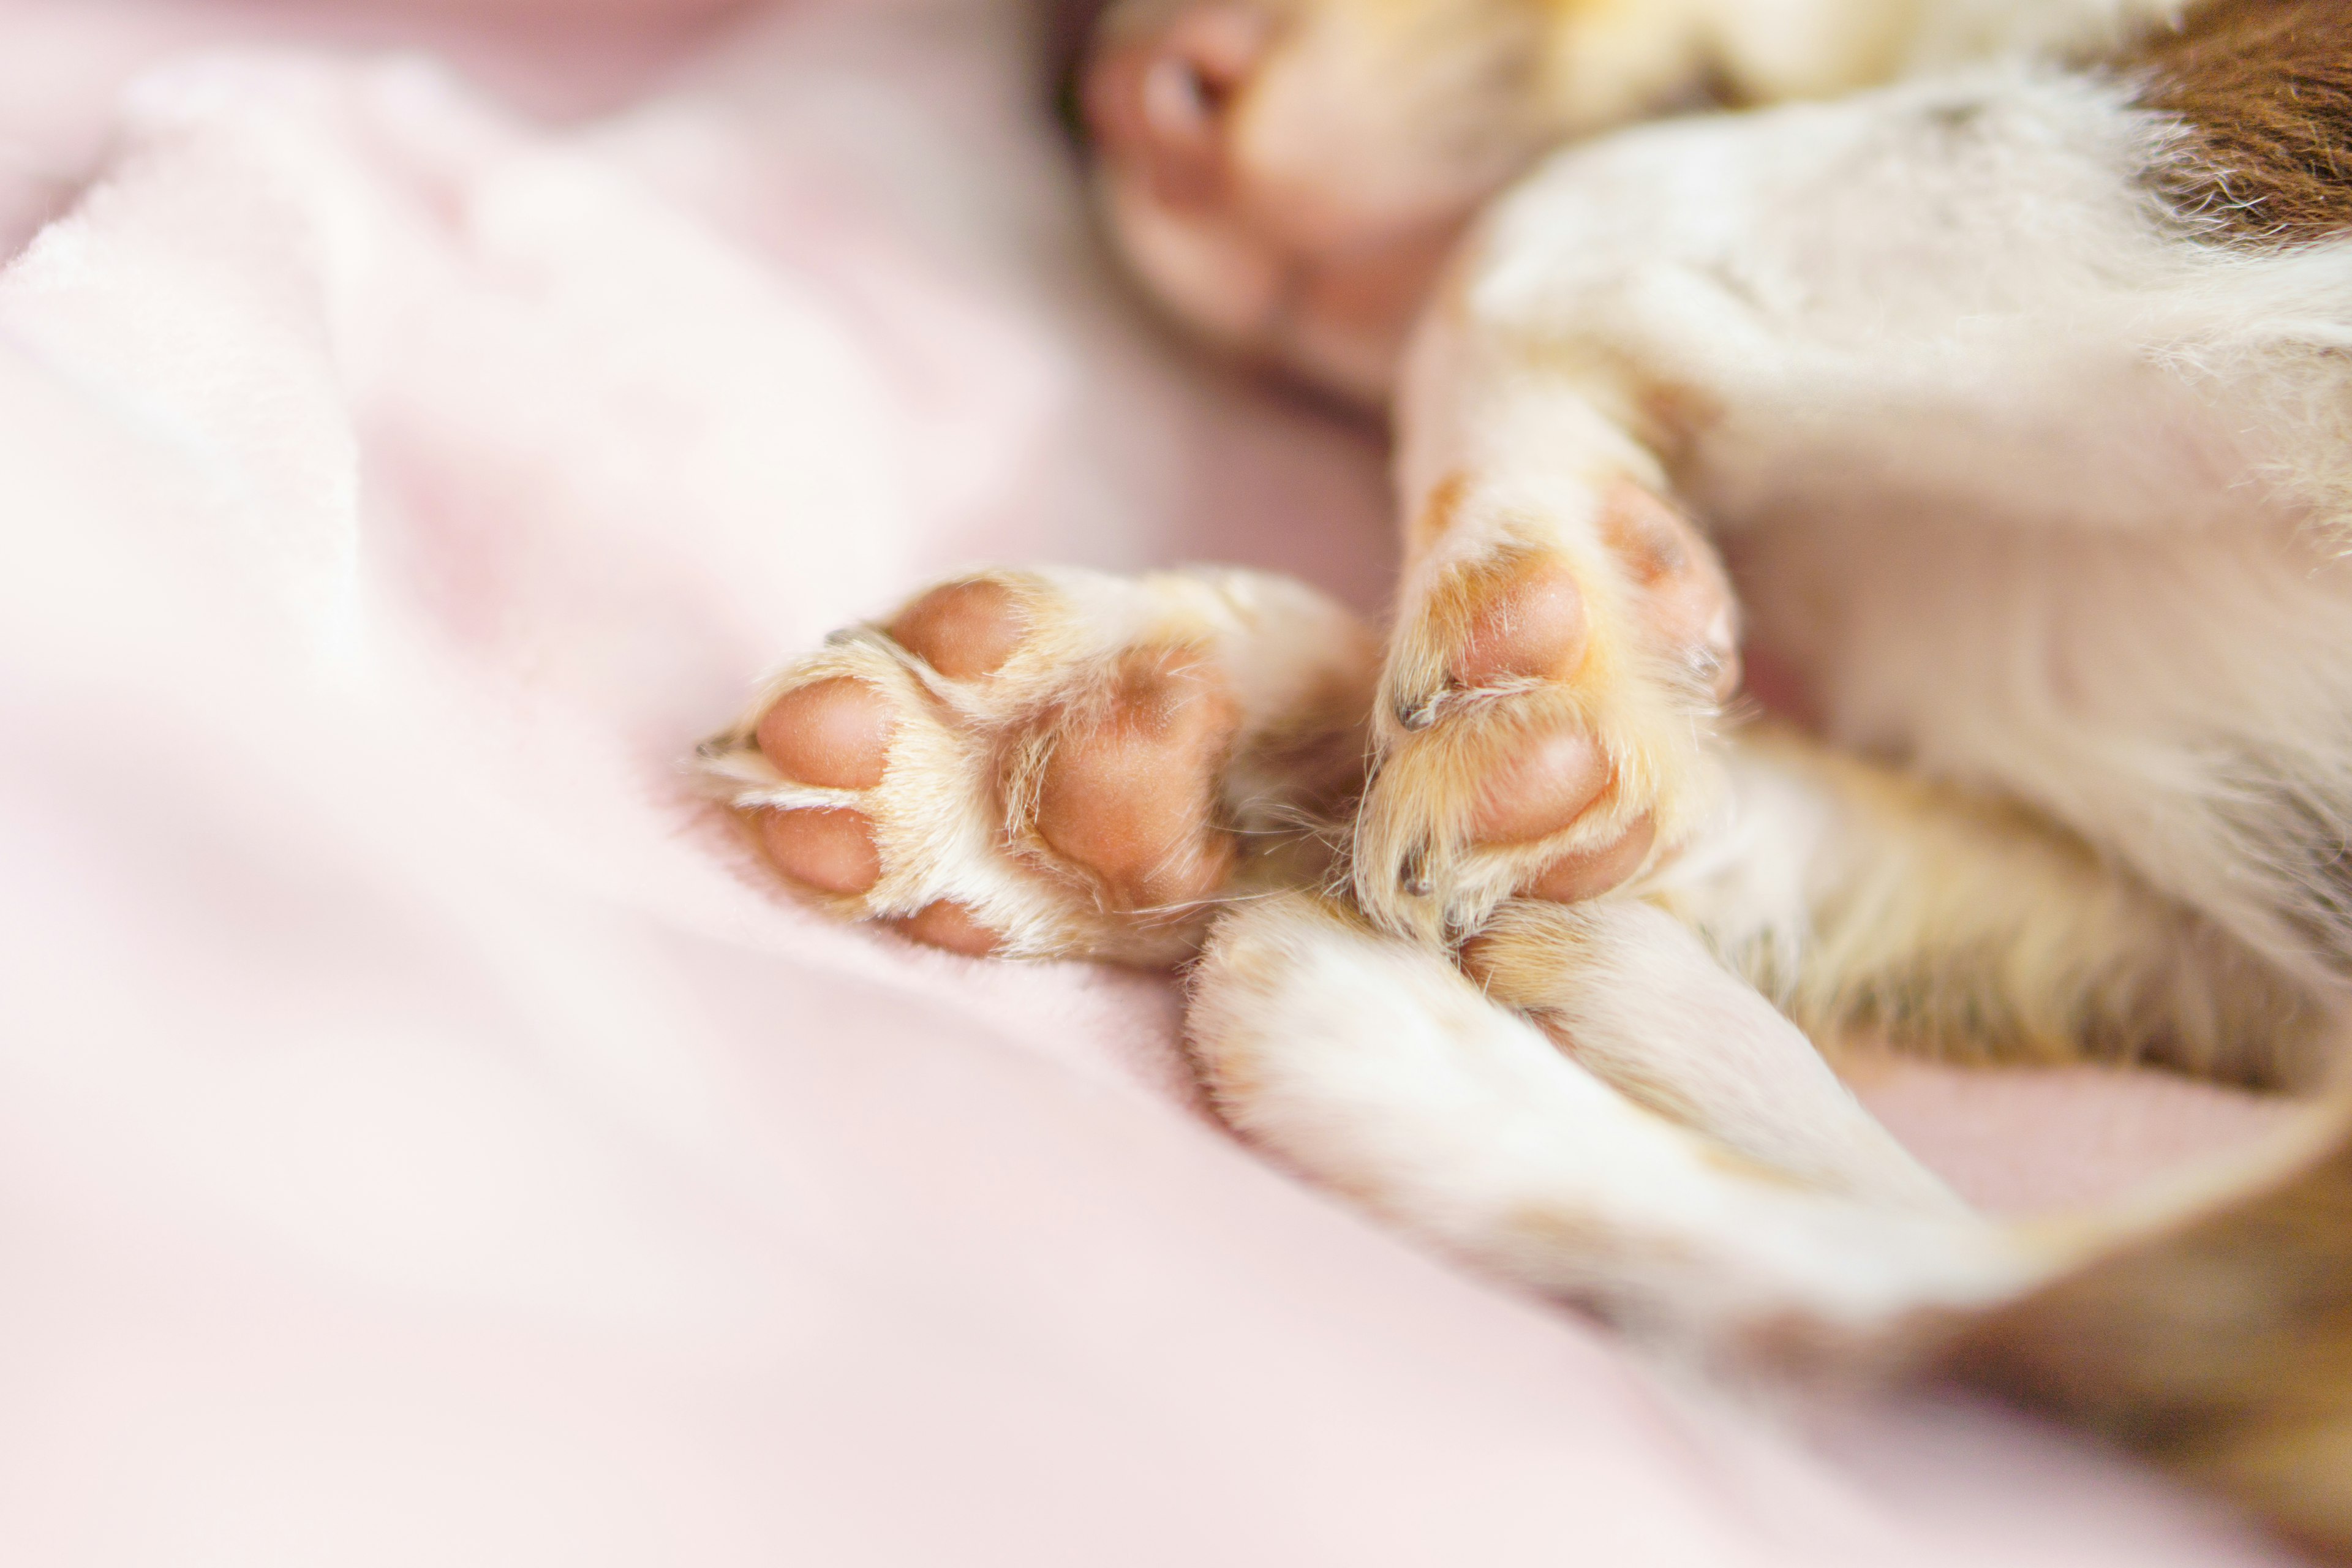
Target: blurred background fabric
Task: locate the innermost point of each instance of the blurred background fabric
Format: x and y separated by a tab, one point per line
427	1136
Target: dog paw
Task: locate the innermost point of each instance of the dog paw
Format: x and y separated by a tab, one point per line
1058	762
1543	720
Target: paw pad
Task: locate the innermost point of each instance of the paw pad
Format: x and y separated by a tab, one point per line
1539	786
1589	873
831	850
949	925
1131	792
1530	625
835	735
1685	598
963	630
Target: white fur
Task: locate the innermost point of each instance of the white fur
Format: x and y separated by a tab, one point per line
1373	1065
2045	498
2043	494
1635	998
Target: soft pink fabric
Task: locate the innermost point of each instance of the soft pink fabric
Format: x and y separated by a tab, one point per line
426	1138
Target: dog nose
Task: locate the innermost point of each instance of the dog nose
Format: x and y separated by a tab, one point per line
1160	104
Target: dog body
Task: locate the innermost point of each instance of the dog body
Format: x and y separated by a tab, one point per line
2035	490
2005	350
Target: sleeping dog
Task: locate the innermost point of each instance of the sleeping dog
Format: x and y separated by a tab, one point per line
2005	350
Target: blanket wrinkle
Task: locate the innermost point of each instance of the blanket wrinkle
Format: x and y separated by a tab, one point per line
425	1132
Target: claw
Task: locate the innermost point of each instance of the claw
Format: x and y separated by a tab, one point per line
1421	718
1413	875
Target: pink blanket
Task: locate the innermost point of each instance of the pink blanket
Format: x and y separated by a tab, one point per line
426	1136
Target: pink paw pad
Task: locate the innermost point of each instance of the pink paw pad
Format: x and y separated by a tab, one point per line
1530	625
950	926
1131	791
963	630
831	850
835	735
1685	595
1547	783
1589	873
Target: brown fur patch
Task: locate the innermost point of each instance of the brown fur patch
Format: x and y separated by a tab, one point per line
1437	515
2262	90
2223	1349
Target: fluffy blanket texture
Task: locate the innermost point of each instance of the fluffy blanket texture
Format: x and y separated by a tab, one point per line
426	1135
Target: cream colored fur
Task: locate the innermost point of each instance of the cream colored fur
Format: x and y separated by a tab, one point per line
2044	499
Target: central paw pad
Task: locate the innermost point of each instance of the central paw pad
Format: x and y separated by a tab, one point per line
1130	789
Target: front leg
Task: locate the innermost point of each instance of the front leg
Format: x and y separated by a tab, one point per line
1565	639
